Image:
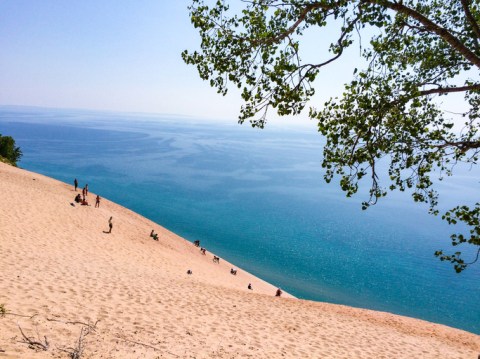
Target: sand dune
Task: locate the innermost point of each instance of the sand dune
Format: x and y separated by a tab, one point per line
60	273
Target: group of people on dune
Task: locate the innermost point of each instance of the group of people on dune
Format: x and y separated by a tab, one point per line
82	199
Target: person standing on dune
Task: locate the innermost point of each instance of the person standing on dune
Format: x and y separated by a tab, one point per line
110	224
75	183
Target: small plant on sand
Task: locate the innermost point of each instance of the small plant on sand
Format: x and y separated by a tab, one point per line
35	344
76	352
3	310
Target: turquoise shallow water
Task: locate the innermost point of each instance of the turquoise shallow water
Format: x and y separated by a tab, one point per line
257	199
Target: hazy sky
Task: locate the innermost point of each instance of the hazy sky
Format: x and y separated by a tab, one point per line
102	54
105	55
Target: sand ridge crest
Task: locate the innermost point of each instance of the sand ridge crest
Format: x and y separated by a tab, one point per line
59	269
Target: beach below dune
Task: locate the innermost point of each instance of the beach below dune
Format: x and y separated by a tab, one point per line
63	276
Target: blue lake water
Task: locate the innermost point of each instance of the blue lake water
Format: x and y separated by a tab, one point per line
257	198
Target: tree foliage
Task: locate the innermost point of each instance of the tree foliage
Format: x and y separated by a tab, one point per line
418	51
8	149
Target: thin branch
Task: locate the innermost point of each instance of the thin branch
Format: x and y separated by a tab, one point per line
88	325
311	67
470	18
301	18
476	258
443	90
21	315
292	28
439	90
33	343
145	345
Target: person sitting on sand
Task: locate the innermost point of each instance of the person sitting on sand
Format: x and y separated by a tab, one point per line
189	272
78	198
278	293
85	203
154	235
203	250
233	271
249	286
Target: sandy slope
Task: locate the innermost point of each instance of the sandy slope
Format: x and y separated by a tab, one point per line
59	269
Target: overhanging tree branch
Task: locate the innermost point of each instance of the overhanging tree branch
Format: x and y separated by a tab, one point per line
387	112
430	25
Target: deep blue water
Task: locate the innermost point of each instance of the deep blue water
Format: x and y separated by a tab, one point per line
257	199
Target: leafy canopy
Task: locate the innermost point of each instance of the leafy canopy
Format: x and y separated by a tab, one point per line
8	149
418	50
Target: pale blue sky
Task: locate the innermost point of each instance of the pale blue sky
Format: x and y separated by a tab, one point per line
106	55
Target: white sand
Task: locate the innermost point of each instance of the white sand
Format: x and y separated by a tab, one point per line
58	269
